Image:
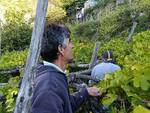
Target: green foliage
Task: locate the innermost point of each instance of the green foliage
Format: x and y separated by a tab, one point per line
119	47
88	29
121	18
2	108
15	37
100	6
140	55
127	90
4	78
55	14
10	92
118	21
57	10
82	51
13	59
140	109
115	21
59	3
131	85
104	3
16	32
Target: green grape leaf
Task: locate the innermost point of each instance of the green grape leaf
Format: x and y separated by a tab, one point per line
109	99
140	109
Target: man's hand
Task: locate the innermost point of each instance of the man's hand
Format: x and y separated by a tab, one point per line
93	91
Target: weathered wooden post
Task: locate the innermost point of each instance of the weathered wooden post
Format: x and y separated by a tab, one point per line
24	97
94	55
128	39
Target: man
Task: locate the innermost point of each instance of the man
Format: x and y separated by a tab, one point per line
107	66
51	94
79	14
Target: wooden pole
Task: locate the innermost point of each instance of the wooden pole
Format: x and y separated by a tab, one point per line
23	101
94	55
131	32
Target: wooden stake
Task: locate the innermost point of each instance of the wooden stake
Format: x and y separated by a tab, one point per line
23	101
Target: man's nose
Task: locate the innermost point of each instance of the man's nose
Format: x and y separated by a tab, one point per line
72	45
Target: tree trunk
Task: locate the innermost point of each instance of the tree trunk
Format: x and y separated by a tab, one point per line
94	55
132	31
23	101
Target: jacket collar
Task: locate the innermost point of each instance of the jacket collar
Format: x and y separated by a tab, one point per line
52	65
41	69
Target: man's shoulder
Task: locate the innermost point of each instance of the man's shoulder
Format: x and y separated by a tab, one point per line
106	65
100	65
117	67
49	76
49	81
42	70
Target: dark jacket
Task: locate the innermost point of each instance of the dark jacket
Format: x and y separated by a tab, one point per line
51	94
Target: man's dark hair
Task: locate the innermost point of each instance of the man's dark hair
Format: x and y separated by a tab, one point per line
107	56
53	36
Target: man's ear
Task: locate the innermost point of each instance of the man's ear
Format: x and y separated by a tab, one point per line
61	50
